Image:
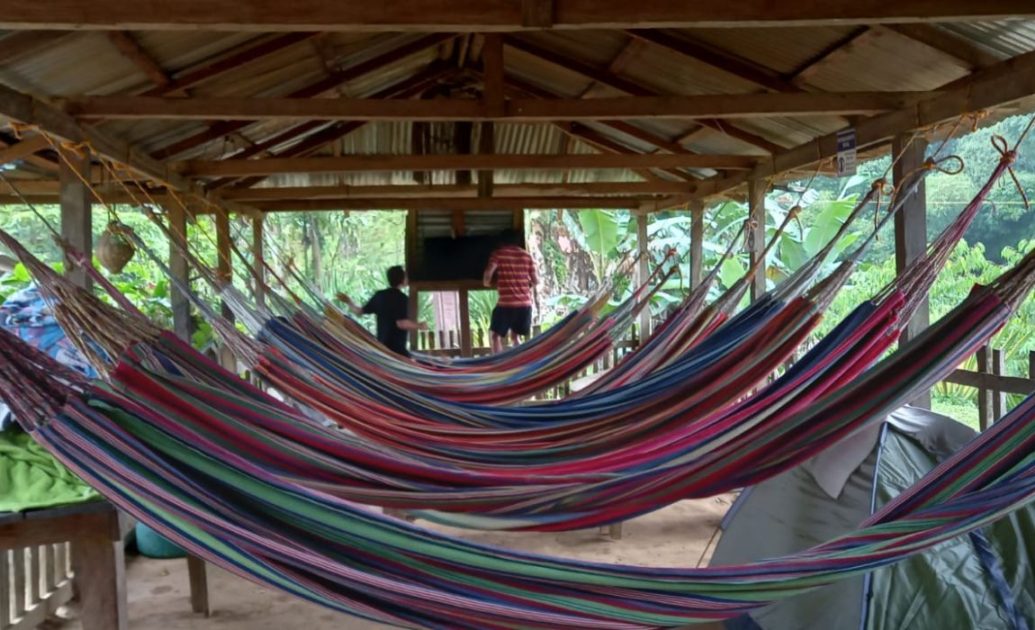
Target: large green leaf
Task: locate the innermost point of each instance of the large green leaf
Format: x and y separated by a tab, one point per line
731	271
601	230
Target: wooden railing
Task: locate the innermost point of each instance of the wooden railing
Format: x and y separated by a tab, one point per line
992	384
34	582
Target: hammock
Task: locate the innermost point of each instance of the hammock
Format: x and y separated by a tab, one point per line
726	452
306	348
232	513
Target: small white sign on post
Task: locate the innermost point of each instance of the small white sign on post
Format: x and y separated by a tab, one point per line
846	154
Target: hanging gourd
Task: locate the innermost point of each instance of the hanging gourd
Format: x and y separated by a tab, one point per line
114	250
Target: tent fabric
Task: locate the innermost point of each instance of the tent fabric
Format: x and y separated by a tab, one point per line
953	585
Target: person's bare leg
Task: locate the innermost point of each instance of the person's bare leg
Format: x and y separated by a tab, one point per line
514	339
496	342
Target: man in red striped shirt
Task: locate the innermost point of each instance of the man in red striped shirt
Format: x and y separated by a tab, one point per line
516	281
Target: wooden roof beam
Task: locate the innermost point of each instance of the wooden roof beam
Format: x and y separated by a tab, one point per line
488	15
387	163
456	203
133	51
228	61
608	78
23	150
619	108
219	129
1007	81
29	110
315	141
397	191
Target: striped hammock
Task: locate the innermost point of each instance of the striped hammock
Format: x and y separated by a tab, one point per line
232	512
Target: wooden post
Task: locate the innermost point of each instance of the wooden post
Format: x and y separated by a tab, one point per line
911	230
197	574
258	259
224	264
756	233
986	413
182	324
100	575
76	211
225	273
465	324
643	270
696	242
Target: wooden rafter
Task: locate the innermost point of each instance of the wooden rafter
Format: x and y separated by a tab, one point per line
23	149
132	50
456	203
231	60
620	108
313	142
582	133
29	110
537	13
596	140
630	87
1002	83
451	190
483	15
222	128
385	163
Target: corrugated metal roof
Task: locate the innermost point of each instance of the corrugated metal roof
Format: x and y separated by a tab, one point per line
886	61
89	63
1005	39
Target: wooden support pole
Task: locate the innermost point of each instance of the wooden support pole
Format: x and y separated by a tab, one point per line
643	270
756	233
259	258
225	273
100	574
182	324
696	242
492	61
466	347
76	211
911	229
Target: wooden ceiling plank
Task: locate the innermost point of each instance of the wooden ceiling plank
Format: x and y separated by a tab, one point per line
621	108
455	203
488	15
384	163
454	190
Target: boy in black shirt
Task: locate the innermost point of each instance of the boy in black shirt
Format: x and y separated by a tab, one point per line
391	306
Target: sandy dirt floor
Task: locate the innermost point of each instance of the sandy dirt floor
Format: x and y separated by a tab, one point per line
159	594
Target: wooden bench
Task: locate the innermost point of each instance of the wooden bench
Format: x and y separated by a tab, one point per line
49	555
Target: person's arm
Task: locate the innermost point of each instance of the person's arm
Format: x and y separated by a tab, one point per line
533	278
409	324
490	269
355	308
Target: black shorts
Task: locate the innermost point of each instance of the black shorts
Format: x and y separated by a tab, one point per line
511	319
